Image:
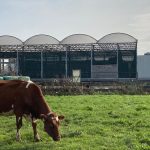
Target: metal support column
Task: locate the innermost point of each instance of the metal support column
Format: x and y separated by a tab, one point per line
66	61
0	63
118	48
136	61
23	61
0	67
3	64
17	63
92	50
42	64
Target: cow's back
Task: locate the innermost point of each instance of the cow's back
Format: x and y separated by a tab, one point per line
9	92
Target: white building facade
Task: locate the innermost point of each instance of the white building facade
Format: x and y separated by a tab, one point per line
143	67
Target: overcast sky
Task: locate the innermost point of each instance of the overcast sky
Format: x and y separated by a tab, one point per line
60	18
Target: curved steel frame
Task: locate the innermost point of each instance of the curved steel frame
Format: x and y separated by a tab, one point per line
55	41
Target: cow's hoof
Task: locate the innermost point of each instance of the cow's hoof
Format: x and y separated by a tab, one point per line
18	139
37	138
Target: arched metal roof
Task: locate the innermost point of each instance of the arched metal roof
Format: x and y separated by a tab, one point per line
117	38
78	39
41	39
9	40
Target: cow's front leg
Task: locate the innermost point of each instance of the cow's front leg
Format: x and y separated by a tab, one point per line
36	135
19	125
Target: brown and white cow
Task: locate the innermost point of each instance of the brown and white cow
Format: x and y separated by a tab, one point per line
26	98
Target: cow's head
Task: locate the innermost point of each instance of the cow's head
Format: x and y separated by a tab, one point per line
51	125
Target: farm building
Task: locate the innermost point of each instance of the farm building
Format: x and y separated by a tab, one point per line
77	56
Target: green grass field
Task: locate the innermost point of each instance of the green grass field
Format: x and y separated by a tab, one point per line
97	122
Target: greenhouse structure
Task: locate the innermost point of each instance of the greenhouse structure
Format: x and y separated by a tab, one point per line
77	56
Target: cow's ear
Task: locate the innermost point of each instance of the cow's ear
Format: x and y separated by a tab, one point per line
43	117
61	117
